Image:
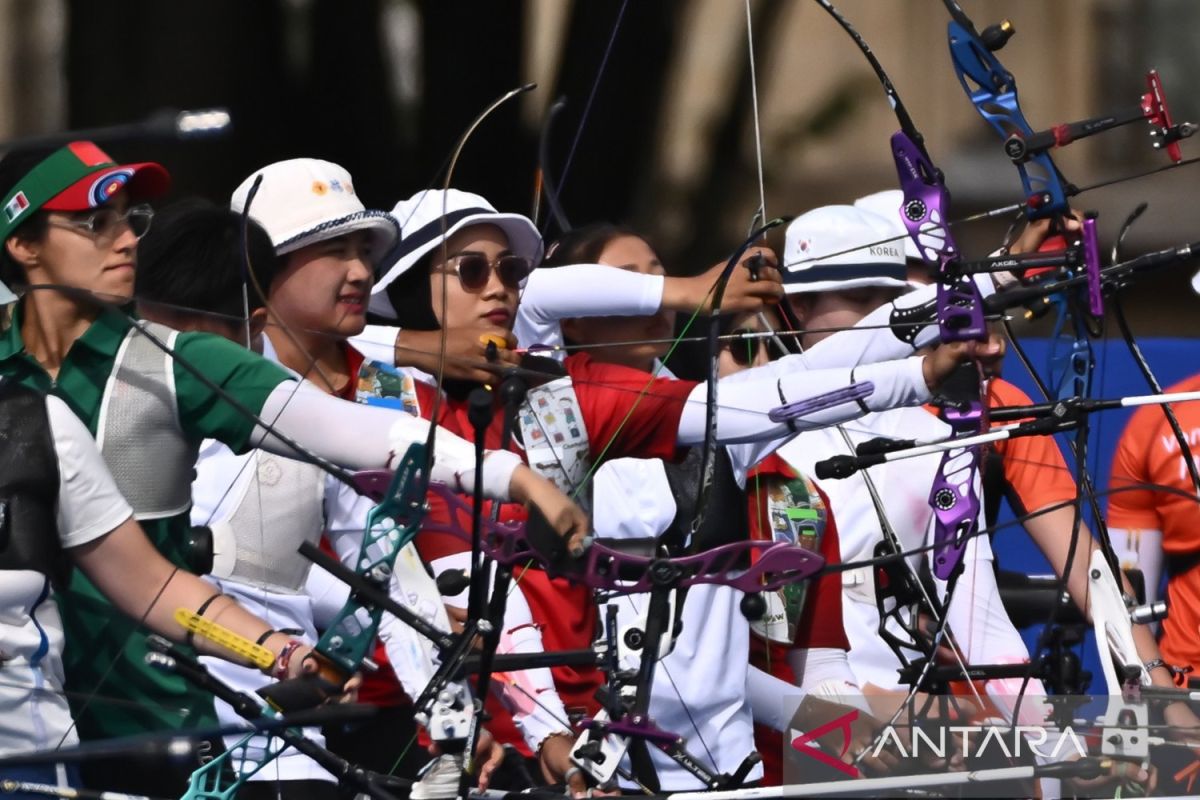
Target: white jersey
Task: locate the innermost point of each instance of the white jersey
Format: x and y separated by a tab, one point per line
699	689
341	514
33	708
977	617
260	504
224	483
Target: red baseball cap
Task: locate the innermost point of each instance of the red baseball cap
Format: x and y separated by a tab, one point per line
100	178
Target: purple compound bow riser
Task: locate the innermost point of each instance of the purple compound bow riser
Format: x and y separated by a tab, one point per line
953	496
960	308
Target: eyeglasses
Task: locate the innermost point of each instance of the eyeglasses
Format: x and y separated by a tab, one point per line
474	270
105	223
744	352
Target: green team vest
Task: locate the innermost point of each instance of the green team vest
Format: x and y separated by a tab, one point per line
113	692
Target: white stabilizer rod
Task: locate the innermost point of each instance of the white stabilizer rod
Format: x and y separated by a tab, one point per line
881	787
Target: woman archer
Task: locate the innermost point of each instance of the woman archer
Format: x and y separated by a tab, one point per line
455	271
70	246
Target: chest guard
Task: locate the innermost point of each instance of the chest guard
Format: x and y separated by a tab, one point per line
551	428
278	508
139	433
28	484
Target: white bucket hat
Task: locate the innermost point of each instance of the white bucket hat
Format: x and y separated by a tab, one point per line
887	205
832	230
306	200
423	229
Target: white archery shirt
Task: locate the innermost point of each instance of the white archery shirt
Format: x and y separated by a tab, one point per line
977	617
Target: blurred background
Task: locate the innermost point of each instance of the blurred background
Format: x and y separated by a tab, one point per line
385	87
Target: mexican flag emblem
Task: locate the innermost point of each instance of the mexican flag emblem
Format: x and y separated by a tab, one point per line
16	206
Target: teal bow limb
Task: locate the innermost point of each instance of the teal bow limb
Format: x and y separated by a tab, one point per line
391	524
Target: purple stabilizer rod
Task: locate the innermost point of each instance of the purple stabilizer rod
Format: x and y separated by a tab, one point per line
1091	263
953	497
960	308
811	405
643	728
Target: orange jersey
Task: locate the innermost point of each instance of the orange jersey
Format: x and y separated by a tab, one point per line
1033	465
1148	455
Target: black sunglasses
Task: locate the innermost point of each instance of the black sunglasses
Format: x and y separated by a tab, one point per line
475	269
744	352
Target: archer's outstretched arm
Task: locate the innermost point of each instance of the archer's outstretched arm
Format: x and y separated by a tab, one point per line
746	399
371	437
98	531
894	330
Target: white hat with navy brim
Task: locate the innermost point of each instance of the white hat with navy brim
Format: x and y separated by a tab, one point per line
423	229
887	205
835	248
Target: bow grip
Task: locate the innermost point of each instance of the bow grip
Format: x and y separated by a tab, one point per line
1052	244
1090	245
307	691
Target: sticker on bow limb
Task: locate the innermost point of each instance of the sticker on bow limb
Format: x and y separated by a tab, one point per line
382	384
795	514
556	440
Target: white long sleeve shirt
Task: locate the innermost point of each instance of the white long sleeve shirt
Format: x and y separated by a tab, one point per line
976	616
226	483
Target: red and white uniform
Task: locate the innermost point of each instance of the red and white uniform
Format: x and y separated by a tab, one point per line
564	611
260	506
819	635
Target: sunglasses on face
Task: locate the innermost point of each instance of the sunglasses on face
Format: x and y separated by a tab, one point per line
475	269
105	223
744	352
